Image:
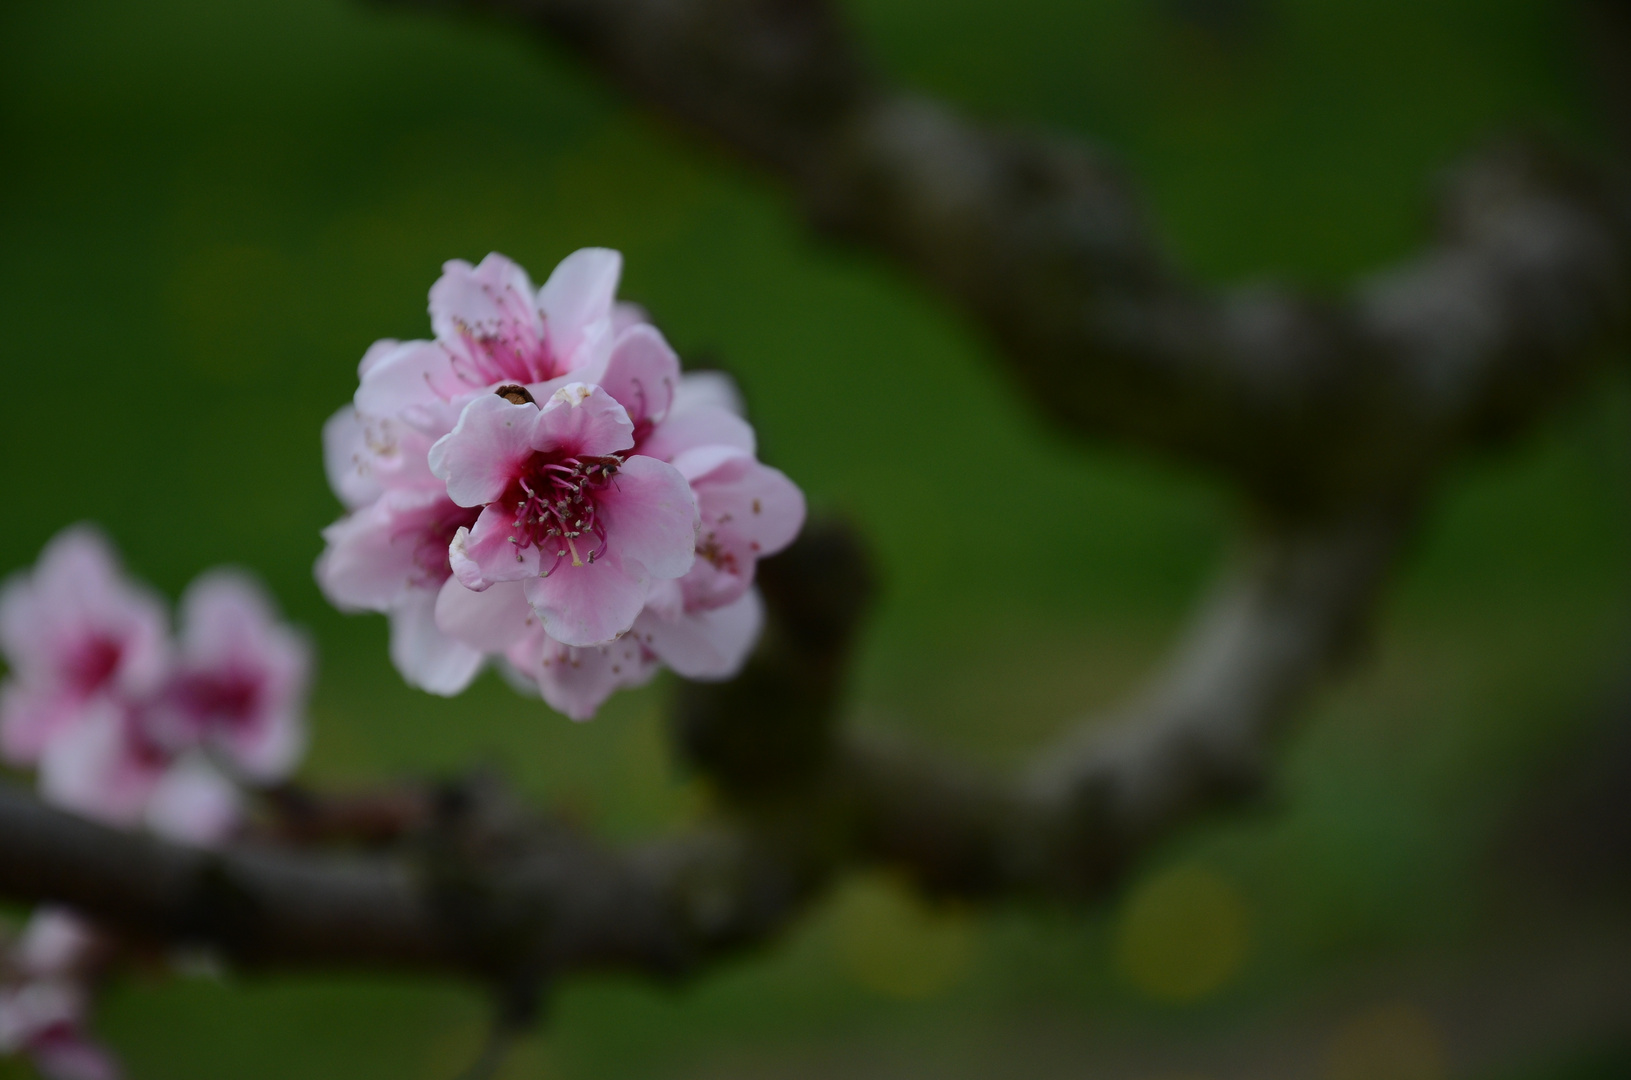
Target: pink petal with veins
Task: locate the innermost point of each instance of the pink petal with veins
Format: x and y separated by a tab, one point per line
426	657
577	301
710	644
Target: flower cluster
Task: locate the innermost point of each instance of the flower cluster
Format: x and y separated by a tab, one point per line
539	486
128	726
133	728
44	997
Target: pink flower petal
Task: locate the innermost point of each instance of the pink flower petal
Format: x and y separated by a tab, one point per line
747	510
651	517
56	942
488	315
737	495
101	768
582	420
427	658
488	621
242	678
589	604
578	295
577	681
626	314
414	381
30	718
73	1056
348	461
397	543
642	374
484	452
363	456
37	1007
376	352
194	804
712	388
705	644
484	554
705	425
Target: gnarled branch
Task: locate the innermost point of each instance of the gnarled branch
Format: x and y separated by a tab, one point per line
1306	402
1334	416
483	888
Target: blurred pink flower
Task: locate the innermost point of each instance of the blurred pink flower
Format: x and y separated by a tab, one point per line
107	765
56	943
44	1020
76	634
104	704
195	803
240	680
585	526
44	999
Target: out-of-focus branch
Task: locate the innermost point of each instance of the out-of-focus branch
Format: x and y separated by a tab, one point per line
482	887
1041	240
1199	738
492	896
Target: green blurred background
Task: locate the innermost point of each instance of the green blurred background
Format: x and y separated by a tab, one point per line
208	211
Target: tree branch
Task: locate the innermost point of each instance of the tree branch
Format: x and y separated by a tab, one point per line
1334	415
1307	402
487	889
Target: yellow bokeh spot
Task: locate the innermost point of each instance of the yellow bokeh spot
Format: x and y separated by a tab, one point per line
894	944
1389	1042
1183	934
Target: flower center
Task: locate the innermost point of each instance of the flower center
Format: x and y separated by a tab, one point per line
231	697
94	663
497	354
555	507
432	537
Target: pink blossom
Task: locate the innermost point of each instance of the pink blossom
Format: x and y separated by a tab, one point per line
56	943
194	803
492	328
44	1021
701	642
364	455
240	680
702	624
75	634
391	553
577	681
698	645
107	765
70	1054
585	526
44	1000
746	509
545	519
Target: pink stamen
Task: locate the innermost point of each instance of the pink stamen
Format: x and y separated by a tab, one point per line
555	505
